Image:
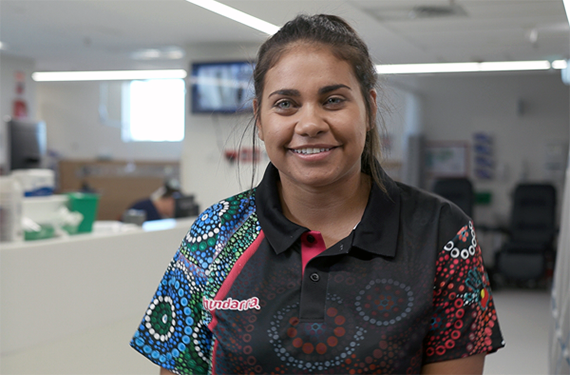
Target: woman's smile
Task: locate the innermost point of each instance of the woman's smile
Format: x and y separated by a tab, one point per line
313	118
311	151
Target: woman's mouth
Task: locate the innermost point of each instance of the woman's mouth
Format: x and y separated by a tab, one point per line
311	150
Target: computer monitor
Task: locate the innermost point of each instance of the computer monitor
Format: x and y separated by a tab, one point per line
185	206
27	143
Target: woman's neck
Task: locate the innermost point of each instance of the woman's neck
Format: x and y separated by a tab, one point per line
333	211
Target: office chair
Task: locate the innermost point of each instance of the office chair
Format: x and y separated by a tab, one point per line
458	191
529	250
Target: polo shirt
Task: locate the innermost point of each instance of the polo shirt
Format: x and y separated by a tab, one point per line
406	288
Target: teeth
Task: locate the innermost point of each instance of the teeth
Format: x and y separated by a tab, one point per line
309	151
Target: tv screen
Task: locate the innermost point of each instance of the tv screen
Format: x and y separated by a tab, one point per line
222	87
27	143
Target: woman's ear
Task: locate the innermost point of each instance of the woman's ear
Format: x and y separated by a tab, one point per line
256	119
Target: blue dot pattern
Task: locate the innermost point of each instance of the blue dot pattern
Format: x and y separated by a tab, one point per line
174	332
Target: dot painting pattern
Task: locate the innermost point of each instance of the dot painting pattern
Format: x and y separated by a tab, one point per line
389	303
313	346
174	331
374	330
461	295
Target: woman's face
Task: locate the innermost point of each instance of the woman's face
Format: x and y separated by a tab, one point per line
313	118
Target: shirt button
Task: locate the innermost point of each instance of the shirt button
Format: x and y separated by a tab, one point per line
310	238
315	277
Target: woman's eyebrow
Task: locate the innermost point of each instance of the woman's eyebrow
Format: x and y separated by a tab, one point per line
327	89
285	92
296	93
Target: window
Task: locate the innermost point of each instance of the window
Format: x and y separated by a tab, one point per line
153	110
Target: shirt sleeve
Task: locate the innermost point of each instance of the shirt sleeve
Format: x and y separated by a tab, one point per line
464	320
174	332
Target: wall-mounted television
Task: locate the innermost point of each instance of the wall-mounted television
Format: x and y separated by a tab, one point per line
28	141
222	87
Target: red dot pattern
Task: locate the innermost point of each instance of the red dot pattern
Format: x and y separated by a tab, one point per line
464	313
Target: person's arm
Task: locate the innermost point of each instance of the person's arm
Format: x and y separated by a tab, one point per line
472	365
164	371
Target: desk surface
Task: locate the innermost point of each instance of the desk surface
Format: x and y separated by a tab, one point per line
54	288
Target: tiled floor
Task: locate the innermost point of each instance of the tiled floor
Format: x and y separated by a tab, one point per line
524	317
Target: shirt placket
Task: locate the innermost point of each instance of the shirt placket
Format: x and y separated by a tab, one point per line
315	279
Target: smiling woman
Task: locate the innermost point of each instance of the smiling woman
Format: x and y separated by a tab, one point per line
346	270
313	119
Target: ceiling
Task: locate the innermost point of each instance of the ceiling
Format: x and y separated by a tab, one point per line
106	34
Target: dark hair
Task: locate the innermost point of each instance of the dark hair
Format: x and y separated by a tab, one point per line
171	188
335	33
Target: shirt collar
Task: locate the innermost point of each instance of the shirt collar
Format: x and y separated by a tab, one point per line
377	232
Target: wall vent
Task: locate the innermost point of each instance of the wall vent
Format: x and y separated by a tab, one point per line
406	13
425	11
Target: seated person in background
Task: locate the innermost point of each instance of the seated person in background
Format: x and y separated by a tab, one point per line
160	204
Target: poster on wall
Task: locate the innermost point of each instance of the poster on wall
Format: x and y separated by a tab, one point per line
555	160
483	157
19	106
447	159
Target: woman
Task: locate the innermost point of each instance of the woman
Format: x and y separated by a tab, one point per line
161	204
328	266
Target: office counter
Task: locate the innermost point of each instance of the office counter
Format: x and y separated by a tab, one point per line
61	298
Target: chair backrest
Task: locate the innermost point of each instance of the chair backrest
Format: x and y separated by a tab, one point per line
533	215
458	191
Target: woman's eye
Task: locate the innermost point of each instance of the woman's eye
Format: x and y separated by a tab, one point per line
334	100
284	104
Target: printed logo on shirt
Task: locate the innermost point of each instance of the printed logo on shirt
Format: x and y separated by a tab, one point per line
231	304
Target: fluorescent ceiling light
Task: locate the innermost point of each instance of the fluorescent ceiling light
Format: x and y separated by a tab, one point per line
108	75
559	64
236	15
168	53
498	66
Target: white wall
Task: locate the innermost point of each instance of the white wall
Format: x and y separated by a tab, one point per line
74	130
455	107
204	169
9	65
392	104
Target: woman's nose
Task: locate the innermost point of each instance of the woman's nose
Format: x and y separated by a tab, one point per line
311	122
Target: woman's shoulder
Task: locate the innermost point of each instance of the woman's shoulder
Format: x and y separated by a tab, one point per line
421	199
230	206
225	216
421	206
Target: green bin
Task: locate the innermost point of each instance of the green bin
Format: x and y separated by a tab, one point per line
86	204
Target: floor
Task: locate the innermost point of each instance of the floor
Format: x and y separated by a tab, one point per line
524	317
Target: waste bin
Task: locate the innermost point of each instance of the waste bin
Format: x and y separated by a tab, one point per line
86	204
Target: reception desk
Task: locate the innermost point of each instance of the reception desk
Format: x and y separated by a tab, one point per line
69	305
